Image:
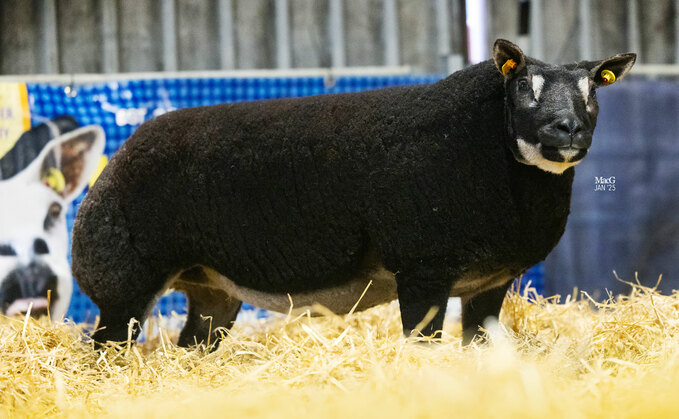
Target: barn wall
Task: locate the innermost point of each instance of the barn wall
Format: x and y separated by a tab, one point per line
137	44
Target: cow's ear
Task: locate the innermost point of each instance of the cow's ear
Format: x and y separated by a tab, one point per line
67	163
508	58
609	70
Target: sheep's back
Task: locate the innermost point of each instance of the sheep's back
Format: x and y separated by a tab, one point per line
269	194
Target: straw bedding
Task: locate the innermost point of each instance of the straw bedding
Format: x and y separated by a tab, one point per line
564	359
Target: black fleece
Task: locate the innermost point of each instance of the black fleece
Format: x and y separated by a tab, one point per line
294	194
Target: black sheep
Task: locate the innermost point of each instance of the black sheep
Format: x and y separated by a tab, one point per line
448	189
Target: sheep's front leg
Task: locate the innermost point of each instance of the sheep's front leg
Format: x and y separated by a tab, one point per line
209	309
417	295
476	309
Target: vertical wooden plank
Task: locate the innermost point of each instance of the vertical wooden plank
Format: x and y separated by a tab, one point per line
676	31
504	20
283	50
254	26
633	36
559	41
585	30
197	45
19	37
139	33
417	30
657	32
309	33
442	28
364	40
610	29
108	10
536	30
459	31
390	33
227	42
80	36
169	29
49	51
337	33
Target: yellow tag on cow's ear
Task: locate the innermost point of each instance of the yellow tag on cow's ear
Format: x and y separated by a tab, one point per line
55	180
508	66
608	76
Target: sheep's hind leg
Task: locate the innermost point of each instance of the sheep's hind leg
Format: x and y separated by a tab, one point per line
476	309
209	309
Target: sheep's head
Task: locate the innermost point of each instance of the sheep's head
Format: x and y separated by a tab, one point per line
551	110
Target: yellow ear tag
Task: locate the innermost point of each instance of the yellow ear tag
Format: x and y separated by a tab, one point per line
55	180
508	66
608	76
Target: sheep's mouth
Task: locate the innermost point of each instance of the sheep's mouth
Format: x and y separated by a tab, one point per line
562	154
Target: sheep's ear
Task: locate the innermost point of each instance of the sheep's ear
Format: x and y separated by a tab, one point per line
610	70
508	57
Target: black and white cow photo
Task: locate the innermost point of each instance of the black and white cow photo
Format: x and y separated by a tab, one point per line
48	167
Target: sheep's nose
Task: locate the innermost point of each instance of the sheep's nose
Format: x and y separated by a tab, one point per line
568	126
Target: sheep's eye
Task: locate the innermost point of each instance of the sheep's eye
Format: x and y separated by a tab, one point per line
523	84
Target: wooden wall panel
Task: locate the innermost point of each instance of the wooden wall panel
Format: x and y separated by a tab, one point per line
140	35
309	33
363	29
138	39
19	37
80	38
197	35
255	34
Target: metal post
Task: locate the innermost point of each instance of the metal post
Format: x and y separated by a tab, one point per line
536	44
523	40
585	30
633	28
676	32
227	56
283	54
49	57
109	31
337	33
390	32
443	34
169	29
477	19
459	32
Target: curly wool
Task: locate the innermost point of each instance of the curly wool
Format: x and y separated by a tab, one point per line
294	195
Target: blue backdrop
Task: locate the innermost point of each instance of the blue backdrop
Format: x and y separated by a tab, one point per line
121	106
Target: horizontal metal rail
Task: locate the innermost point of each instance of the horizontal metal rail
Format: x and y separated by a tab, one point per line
655	70
292	72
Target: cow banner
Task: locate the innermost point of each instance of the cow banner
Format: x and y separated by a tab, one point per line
60	113
15	117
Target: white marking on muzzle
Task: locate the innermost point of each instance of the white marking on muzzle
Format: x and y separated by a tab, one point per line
569	154
532	155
